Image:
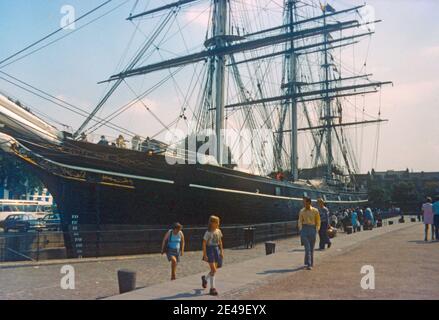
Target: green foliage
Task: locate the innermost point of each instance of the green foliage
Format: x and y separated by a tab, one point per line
19	179
404	192
379	196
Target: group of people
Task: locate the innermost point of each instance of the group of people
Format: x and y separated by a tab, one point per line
318	220
430	214
356	218
213	250
120	142
312	221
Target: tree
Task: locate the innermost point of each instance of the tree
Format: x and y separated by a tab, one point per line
379	196
19	179
404	193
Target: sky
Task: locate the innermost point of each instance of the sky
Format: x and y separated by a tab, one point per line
405	50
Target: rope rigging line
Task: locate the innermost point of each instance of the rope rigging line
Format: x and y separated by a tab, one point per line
125	107
147	108
378	133
53	99
130	66
57	31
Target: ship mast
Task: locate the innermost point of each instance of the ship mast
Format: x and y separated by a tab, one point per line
300	36
219	31
327	103
292	90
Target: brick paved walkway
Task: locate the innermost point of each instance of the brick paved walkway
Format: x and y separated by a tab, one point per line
97	278
405	267
266	276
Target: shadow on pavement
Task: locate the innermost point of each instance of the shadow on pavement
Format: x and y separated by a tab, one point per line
241	248
422	241
281	270
196	293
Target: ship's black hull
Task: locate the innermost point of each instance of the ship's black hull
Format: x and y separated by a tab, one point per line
100	186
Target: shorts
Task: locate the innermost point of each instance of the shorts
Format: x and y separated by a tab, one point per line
173	253
213	255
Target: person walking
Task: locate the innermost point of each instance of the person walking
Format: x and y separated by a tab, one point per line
436	217
173	246
428	214
354	221
369	221
309	225
334	221
324	225
346	219
213	253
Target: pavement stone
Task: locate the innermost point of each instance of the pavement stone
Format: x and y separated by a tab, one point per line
97	277
233	278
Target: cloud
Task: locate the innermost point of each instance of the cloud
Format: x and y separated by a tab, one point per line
430	52
198	15
139	107
412	93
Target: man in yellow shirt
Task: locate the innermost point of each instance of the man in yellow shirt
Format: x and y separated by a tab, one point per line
309	225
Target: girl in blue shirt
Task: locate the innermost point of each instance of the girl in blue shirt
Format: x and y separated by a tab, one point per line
173	245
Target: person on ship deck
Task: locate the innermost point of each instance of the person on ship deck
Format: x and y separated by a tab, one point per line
83	137
103	141
120	142
135	143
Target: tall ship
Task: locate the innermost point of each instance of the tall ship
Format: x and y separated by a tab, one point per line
263	100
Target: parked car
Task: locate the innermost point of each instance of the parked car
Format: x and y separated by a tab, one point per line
22	223
52	221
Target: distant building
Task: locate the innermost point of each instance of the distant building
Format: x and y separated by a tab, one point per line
421	180
403	189
42	195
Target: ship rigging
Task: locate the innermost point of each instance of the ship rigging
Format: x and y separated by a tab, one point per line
280	75
300	39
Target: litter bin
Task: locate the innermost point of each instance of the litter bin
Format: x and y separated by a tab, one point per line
249	237
349	229
270	247
127	280
390	222
413	219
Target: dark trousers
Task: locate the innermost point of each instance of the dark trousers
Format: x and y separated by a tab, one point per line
436	225
308	238
323	235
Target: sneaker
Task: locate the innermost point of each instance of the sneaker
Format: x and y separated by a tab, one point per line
204	282
213	292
